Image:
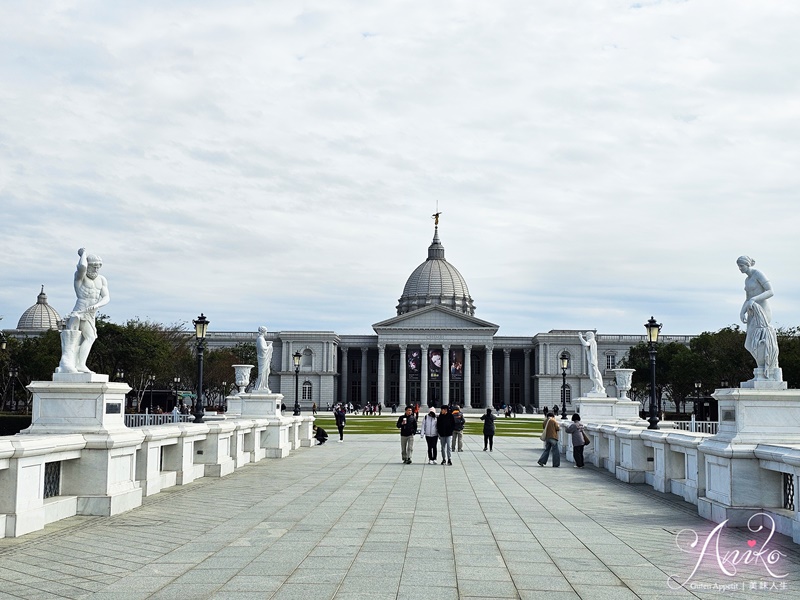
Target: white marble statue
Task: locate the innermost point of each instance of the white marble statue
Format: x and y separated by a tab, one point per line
80	331
761	340
590	347
264	354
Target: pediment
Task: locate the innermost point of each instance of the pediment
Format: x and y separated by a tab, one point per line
436	318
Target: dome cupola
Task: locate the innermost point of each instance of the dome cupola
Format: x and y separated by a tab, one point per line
39	317
436	281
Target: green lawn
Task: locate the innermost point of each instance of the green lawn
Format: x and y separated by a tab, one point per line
357	424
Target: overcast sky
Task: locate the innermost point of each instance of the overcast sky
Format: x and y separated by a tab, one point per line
278	163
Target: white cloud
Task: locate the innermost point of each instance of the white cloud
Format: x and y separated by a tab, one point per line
274	163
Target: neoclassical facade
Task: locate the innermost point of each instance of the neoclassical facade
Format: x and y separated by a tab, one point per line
435	351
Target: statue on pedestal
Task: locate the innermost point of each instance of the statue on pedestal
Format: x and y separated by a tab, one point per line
80	331
761	340
264	354
590	346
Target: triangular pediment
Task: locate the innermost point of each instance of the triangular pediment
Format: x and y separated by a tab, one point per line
437	318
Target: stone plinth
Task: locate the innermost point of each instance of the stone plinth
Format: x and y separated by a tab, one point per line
736	485
596	408
261	405
753	416
77	403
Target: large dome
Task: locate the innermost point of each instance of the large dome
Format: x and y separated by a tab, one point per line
436	281
40	317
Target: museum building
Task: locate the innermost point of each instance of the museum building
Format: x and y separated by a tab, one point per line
434	351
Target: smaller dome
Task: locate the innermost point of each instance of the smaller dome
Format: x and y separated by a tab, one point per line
40	317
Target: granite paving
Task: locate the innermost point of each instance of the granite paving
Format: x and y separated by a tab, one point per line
350	521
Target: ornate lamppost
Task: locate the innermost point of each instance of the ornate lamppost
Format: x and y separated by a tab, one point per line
151	381
296	358
13	372
176	382
697	386
653	329
564	361
200	330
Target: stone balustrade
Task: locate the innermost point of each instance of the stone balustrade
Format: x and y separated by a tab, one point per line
725	481
52	476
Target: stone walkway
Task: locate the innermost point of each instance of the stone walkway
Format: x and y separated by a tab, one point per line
350	521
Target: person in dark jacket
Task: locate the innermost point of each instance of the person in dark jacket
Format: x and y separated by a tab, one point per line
407	424
320	435
488	429
458	430
578	443
341	419
445	424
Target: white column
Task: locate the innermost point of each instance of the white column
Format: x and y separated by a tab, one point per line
381	373
506	376
445	375
527	384
489	402
467	376
402	391
423	385
364	374
343	397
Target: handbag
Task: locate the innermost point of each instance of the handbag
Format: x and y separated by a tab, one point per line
543	437
586	440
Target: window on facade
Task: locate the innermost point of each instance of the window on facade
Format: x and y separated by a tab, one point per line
394	364
611	361
355	367
373	366
515	367
307	360
516	395
306	390
476	365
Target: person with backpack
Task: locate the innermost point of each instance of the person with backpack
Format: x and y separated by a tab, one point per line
458	429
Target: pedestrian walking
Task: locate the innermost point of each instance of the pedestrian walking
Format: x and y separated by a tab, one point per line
578	442
314	408
407	424
551	428
341	420
458	429
445	424
431	434
488	430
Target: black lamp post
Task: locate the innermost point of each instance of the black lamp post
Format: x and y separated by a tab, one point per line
120	376
723	384
653	329
564	360
13	371
296	358
151	381
3	341
176	382
200	330
697	386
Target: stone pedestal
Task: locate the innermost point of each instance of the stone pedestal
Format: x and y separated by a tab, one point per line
596	408
753	416
77	403
104	479
736	485
261	405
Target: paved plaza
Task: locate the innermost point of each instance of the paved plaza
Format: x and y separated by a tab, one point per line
350	521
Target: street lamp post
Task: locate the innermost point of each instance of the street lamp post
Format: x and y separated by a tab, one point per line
151	381
697	386
296	358
13	372
200	330
224	395
176	382
564	360
653	329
